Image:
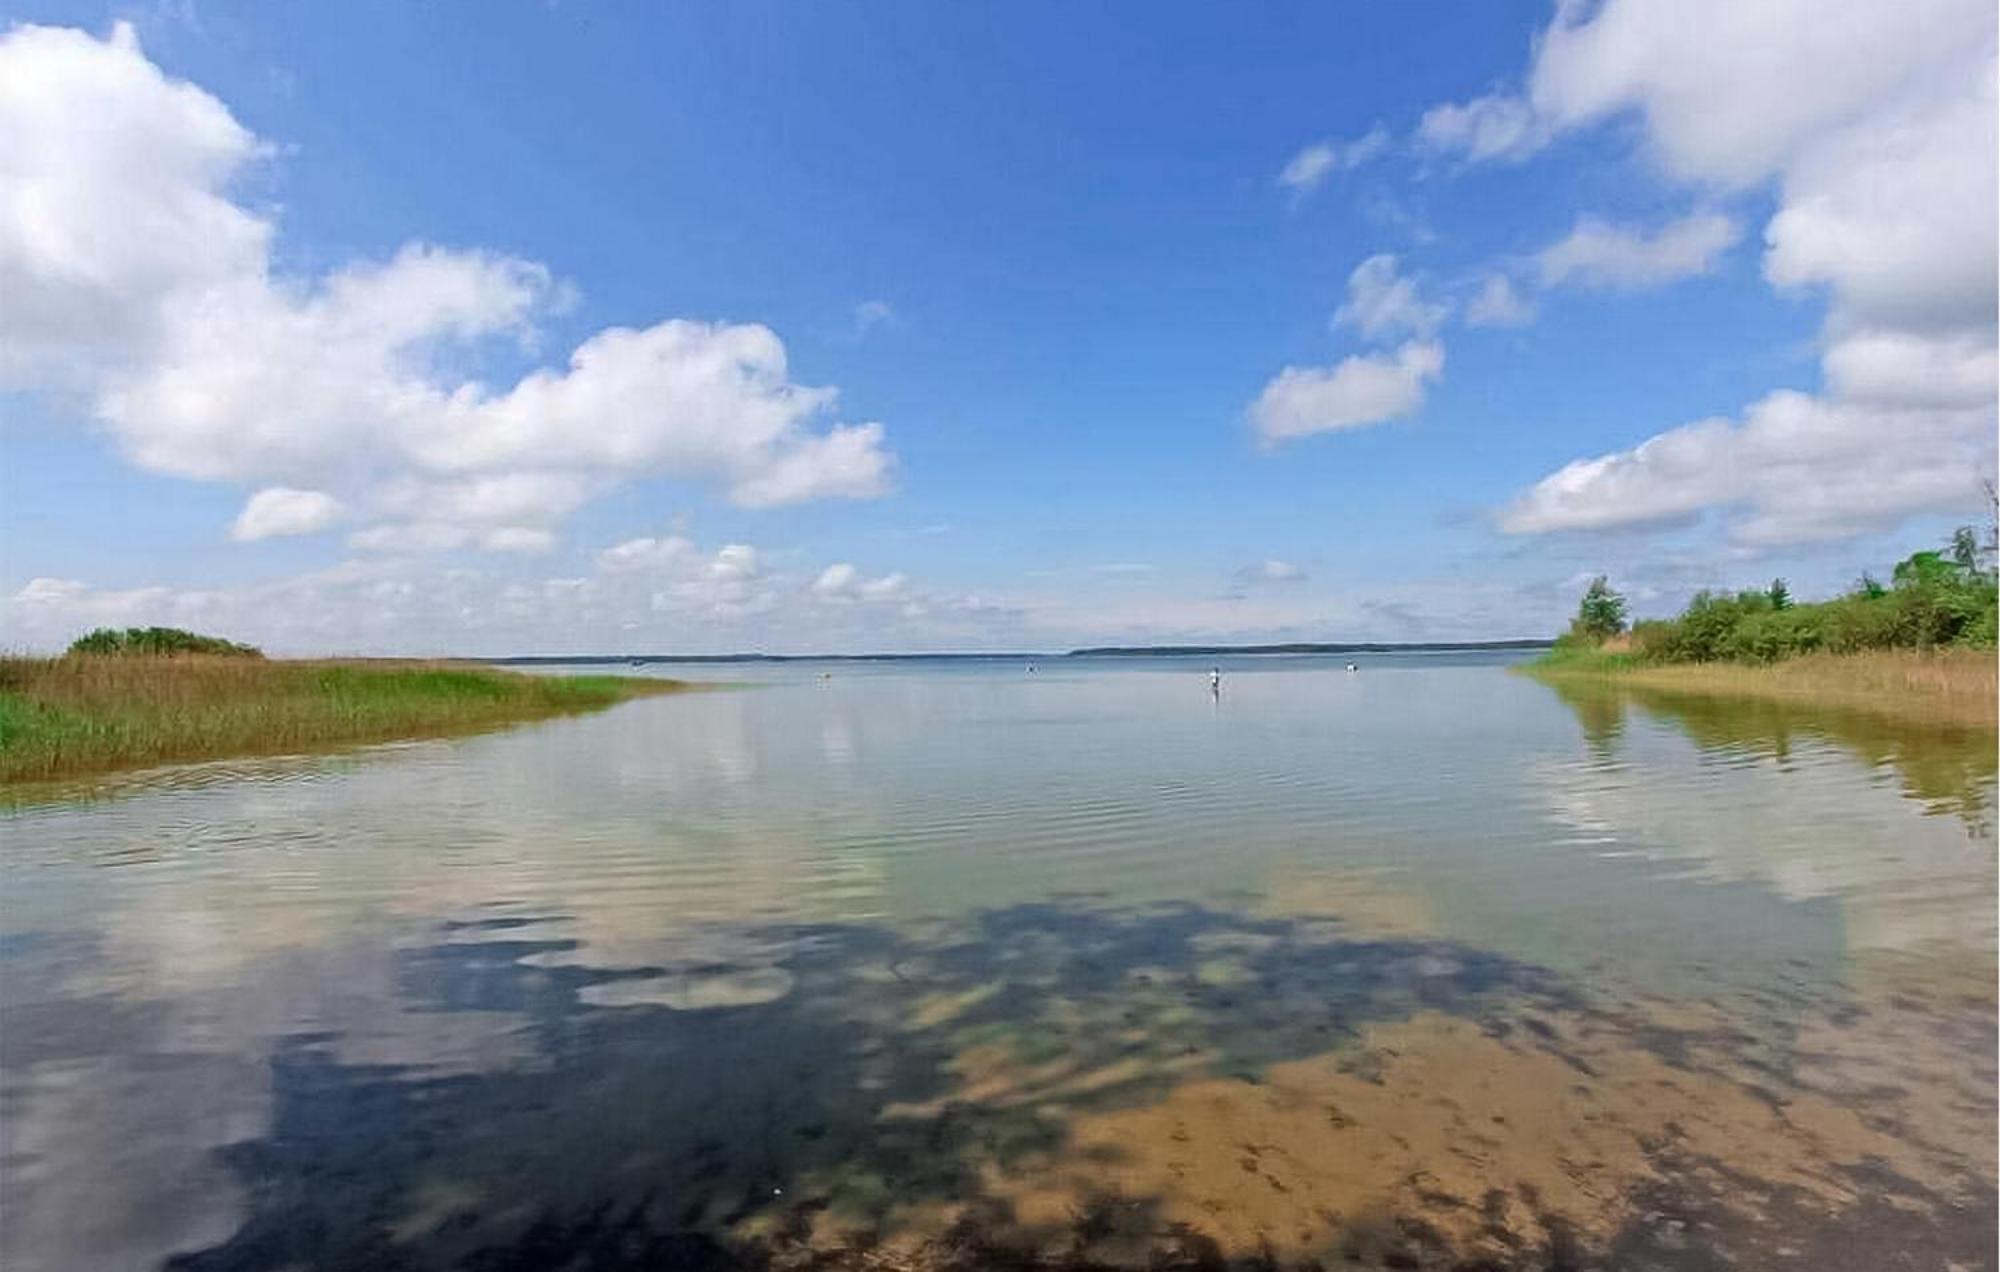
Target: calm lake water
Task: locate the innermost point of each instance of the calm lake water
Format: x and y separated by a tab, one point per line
1424	966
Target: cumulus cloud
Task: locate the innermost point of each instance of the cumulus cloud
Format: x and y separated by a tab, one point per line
1382	302
112	199
1876	126
279	510
1890	368
1730	92
133	276
1894	214
1357	391
732	581
1795	468
1315	163
1598	254
1498	303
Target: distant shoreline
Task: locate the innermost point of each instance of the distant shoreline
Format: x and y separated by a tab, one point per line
1099	651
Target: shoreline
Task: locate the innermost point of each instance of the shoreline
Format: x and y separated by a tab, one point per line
92	716
1952	689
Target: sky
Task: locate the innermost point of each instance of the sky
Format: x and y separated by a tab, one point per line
385	328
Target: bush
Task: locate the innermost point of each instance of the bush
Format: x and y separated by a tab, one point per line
1768	635
158	642
1936	599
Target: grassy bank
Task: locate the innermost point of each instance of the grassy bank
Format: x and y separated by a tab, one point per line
82	714
1950	688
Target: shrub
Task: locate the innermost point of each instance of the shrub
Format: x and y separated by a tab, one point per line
158	642
1768	635
1937	599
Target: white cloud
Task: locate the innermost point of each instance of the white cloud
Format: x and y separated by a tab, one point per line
1499	304
870	314
111	200
280	510
517	539
736	561
843	583
645	553
1954	369
1598	254
131	274
837	580
733	581
661	595
730	583
1795	469
1729	90
1877	123
413	606
1271	571
847	461
1895	213
1359	390
1316	162
1497	126
1382	302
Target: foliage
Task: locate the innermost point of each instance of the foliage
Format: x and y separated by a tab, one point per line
1936	600
1601	613
158	642
1965	549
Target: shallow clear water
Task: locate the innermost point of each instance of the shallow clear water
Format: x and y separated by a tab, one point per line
924	962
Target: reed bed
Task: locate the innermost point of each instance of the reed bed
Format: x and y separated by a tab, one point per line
1949	688
83	714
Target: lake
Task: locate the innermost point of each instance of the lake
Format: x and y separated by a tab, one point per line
954	963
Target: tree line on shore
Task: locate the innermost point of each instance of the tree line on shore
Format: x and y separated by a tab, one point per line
158	642
1934	599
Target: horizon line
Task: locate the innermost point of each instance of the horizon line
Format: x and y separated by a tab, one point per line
1089	651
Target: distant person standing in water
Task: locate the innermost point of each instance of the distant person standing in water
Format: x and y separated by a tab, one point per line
1215	680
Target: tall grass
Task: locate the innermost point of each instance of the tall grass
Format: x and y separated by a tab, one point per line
1953	688
65	717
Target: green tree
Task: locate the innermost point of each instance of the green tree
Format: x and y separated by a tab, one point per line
1924	570
1601	613
157	642
1964	547
1781	596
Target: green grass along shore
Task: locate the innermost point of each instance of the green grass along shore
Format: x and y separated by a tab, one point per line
92	713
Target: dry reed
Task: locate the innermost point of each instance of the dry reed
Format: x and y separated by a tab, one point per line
1951	688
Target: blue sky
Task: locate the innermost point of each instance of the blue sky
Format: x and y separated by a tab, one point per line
280	271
